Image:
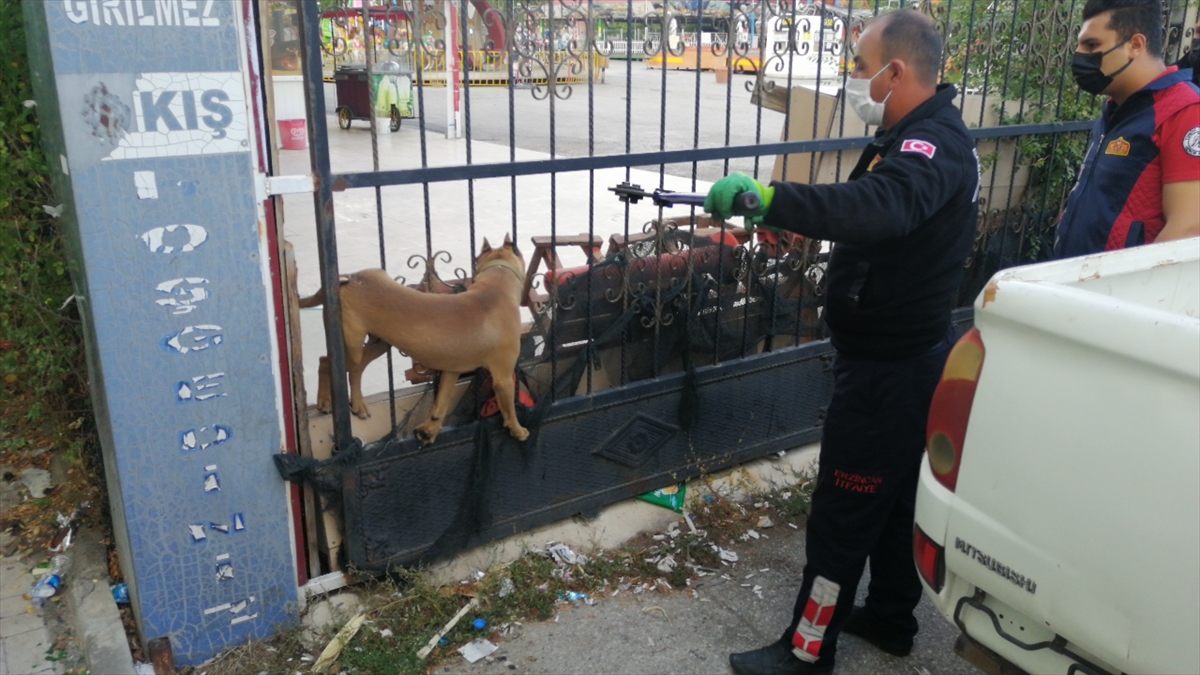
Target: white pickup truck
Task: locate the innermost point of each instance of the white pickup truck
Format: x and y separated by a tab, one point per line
1058	514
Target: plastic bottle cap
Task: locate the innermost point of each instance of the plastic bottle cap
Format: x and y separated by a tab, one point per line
479	624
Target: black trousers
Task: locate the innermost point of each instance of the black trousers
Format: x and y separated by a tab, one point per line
871	450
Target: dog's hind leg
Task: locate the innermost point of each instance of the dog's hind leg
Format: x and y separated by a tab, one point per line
355	364
429	430
368	353
506	391
324	398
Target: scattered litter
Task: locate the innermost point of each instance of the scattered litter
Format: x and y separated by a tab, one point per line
66	531
781	454
727	556
765	522
473	651
479	575
120	594
433	642
786	494
753	534
143	668
306	658
793	526
572	596
49	583
758	591
664	613
666	564
37	481
563	555
665	584
759	505
687	518
726	577
750	575
506	587
671	497
659	537
386	632
765	569
479	624
339	642
744	585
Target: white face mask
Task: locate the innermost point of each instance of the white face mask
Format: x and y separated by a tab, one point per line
858	97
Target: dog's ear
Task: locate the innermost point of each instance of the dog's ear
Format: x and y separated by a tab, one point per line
508	240
486	247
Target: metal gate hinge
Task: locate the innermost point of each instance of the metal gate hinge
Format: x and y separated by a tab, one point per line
286	185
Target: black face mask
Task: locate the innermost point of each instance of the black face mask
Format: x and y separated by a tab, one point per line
1087	70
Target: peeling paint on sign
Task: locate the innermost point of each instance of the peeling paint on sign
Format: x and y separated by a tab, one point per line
179	114
157	240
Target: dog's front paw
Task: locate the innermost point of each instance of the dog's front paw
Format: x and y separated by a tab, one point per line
427	433
325	406
518	432
360	410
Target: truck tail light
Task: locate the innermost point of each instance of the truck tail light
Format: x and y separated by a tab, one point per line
951	408
930	559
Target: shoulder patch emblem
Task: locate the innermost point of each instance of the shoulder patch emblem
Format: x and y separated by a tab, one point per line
1191	142
920	147
873	163
1119	147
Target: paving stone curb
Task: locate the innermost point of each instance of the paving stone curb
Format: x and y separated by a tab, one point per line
94	614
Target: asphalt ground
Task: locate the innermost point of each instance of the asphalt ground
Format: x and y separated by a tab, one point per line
676	633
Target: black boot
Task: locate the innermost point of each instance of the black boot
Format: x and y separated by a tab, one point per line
863	624
777	659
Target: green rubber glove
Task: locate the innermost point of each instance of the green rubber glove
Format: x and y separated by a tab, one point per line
721	201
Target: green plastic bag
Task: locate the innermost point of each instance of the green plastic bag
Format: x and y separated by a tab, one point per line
671	497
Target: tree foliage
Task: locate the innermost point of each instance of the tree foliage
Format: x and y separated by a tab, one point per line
42	366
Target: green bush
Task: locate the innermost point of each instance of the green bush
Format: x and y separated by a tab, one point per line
42	368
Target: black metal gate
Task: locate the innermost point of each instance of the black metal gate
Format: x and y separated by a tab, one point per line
689	345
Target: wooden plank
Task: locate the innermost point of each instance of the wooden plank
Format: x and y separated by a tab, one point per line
300	404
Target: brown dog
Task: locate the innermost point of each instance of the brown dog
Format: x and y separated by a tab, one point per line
452	333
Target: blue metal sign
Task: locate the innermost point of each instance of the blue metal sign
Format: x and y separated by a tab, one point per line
152	122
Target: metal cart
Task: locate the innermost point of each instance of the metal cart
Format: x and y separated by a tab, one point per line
393	91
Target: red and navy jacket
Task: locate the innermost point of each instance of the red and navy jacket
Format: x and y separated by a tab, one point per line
1150	140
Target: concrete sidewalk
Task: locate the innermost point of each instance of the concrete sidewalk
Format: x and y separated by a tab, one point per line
24	636
676	633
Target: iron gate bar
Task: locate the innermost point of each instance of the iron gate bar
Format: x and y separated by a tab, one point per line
442	174
318	154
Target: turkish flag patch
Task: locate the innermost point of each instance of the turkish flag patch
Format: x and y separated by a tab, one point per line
920	147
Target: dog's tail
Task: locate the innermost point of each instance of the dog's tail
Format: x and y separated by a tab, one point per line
315	300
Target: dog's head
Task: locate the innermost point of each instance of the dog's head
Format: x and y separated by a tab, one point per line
507	251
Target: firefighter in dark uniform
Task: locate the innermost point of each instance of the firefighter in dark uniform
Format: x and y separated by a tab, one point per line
902	228
1140	180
